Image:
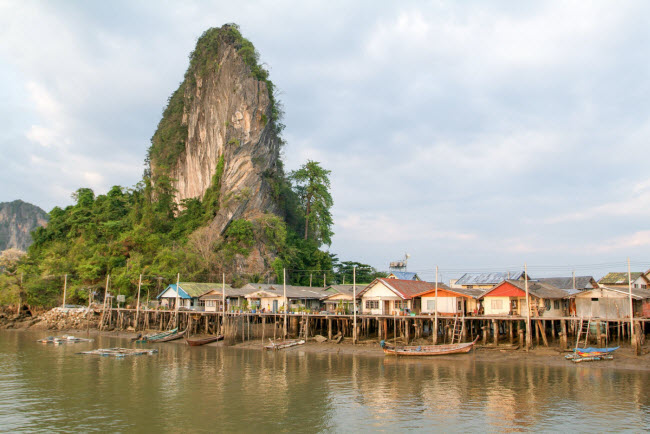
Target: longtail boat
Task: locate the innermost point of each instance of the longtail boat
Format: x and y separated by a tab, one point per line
428	350
283	344
171	337
203	341
155	336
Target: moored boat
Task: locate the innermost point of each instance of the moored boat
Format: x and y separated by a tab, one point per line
203	341
591	354
428	350
156	336
119	352
65	339
279	345
171	337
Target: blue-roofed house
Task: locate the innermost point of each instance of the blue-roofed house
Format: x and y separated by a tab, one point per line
188	294
485	280
403	275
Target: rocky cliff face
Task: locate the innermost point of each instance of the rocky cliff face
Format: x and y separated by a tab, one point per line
218	140
17	220
222	111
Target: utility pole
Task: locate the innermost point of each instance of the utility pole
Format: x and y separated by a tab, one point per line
65	289
223	302
574	280
354	302
629	287
310	278
178	291
529	337
435	327
324	280
108	278
286	302
137	305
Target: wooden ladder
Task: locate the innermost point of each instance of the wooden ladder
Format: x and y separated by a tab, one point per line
304	329
457	334
583	330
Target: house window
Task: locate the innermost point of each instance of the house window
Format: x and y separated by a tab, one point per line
497	304
431	305
556	304
513	305
459	306
547	304
398	304
470	286
372	304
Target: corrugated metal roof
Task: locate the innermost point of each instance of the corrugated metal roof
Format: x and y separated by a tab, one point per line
404	275
193	289
487	278
566	283
473	293
406	289
618	278
637	293
305	292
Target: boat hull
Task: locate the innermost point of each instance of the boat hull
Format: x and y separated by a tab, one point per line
429	350
199	342
169	338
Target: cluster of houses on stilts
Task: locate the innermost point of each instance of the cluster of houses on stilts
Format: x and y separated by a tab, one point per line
404	293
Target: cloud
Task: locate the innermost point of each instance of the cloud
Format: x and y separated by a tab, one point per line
478	132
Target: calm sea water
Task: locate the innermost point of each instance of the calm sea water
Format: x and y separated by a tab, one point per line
183	389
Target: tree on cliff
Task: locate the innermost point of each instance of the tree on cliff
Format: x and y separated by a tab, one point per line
312	186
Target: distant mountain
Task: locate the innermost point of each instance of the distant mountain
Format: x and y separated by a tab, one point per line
17	220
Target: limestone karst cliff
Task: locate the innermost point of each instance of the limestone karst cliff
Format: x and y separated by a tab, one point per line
221	121
218	140
17	220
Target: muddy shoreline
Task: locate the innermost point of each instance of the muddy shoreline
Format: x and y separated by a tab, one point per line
624	358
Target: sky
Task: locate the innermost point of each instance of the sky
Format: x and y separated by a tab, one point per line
472	136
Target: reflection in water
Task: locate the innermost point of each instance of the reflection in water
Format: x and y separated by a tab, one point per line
209	389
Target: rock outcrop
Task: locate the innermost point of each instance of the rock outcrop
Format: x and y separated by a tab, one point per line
218	140
17	220
222	112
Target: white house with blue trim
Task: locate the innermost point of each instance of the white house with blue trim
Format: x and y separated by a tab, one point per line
188	295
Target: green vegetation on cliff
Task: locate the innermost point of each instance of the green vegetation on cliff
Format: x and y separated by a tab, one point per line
129	232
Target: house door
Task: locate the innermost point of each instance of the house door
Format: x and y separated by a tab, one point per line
275	306
386	310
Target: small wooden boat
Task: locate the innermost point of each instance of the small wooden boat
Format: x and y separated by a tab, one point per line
119	352
203	341
594	352
65	339
428	350
155	336
591	354
280	345
171	337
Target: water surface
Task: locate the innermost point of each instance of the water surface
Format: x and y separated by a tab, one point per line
45	387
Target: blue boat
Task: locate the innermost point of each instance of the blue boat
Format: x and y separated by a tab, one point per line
592	351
